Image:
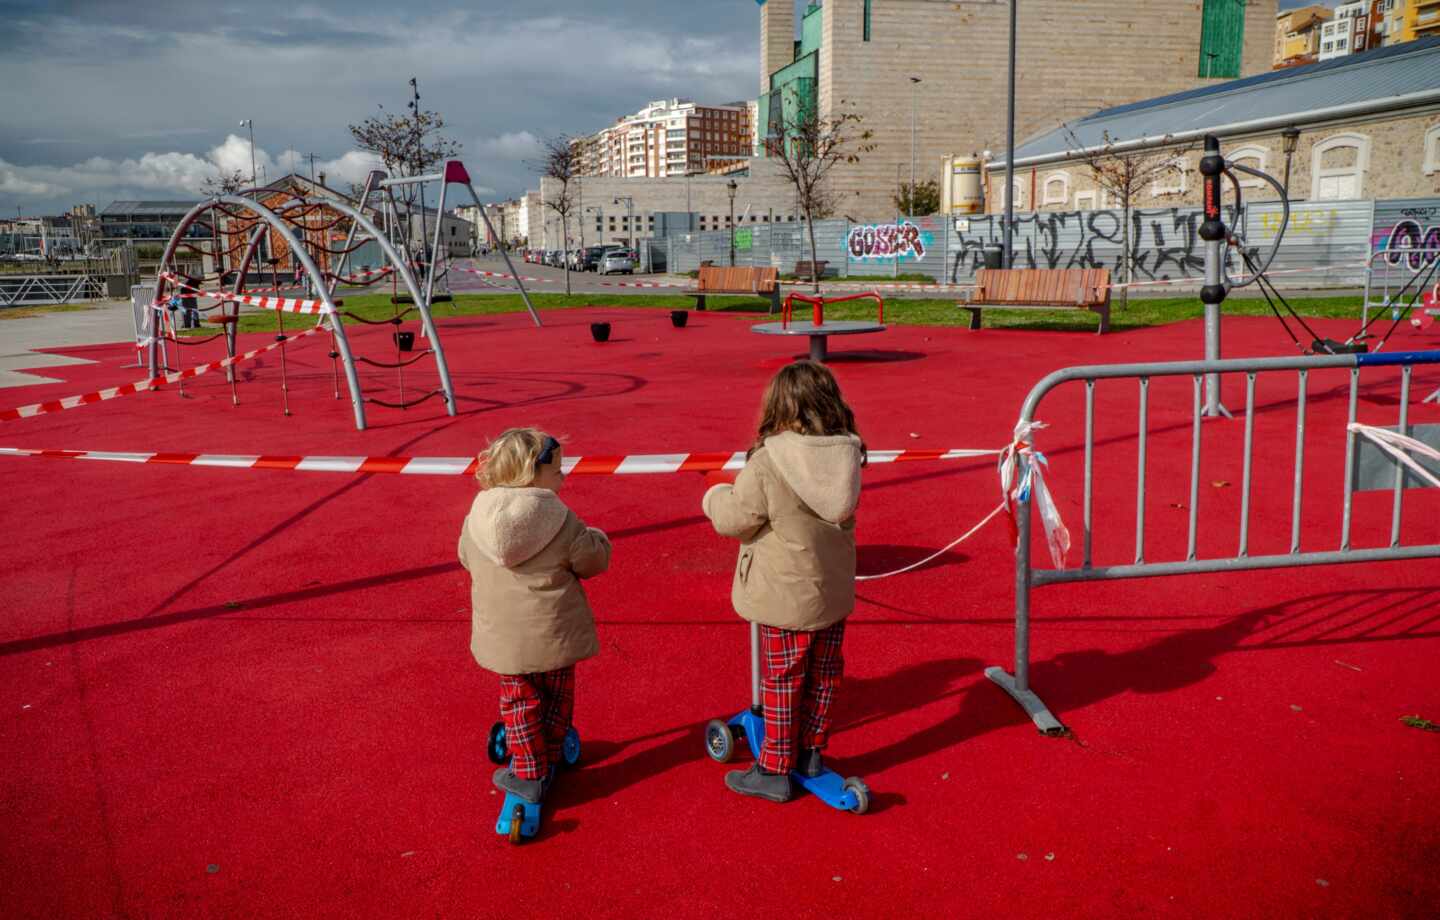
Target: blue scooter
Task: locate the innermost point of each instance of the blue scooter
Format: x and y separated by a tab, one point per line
720	737
520	819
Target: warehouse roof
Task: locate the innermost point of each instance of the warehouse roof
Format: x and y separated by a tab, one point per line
1298	94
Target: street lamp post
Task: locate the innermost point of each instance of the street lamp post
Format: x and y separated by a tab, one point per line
914	84
1010	148
1290	137
250	123
731	187
629	216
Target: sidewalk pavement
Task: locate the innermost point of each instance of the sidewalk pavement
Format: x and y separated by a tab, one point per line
109	321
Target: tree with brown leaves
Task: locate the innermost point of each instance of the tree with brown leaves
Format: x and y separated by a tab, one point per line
1123	174
808	147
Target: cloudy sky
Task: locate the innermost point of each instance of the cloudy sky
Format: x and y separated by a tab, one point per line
106	99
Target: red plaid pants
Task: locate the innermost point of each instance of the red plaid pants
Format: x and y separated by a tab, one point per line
802	672
536	710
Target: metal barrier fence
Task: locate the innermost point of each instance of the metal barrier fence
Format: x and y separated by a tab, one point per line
1028	577
1326	243
46	290
1393	278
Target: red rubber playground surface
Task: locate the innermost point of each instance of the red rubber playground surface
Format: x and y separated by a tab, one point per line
248	693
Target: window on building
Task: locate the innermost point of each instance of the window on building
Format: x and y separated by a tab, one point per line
1057	188
1089	200
1172	179
1252	156
1337	167
1019	188
1431	162
1222	39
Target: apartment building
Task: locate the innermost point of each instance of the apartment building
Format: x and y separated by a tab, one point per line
947	62
1297	35
670	137
1347	32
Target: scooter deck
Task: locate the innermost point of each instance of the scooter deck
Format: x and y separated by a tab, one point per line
828	787
529	823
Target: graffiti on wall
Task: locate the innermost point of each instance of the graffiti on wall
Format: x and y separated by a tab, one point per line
902	240
1417	228
1164	243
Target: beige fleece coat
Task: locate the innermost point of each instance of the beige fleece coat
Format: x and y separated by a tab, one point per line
793	509
526	553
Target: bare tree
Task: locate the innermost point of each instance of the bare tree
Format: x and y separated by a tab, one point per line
225	183
408	145
562	161
1123	175
807	148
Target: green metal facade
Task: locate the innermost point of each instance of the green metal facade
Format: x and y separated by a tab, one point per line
1222	38
793	87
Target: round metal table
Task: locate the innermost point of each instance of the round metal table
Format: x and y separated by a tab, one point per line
818	334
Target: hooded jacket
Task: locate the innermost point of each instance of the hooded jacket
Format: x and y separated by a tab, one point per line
793	509
526	553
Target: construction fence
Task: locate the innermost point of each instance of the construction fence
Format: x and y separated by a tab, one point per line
1325	245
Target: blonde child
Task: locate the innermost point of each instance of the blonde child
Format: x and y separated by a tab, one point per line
530	622
793	509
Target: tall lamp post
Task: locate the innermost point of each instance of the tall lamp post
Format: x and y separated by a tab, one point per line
629	216
914	83
250	123
1289	137
1010	148
731	187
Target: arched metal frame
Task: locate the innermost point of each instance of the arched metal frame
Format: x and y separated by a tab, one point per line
318	284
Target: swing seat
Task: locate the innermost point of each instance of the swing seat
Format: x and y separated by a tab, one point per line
434	298
1332	347
222	320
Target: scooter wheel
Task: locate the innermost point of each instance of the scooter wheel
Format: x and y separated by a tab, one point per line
496	747
570	748
719	741
517	821
856	787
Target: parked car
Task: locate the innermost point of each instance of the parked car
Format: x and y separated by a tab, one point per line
590	257
617	260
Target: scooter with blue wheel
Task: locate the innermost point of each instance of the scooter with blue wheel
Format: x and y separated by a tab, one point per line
849	794
520	819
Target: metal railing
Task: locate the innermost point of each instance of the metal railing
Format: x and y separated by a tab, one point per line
1028	577
46	290
1395	278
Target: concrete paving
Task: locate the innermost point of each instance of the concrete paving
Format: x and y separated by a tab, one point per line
109	321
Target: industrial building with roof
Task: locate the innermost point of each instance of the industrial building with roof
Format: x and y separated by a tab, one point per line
1362	126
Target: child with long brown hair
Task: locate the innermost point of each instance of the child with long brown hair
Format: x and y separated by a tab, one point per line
793	509
530	622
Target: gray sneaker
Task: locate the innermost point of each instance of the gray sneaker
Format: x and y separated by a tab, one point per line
810	764
531	790
773	787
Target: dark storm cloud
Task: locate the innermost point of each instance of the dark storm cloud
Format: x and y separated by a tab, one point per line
103	97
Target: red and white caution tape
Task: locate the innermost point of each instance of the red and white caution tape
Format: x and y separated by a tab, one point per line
456	466
502	275
360	277
140	386
281	304
642	284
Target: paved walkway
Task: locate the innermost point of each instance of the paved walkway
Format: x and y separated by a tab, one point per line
110	321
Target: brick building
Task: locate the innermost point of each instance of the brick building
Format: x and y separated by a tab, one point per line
674	137
1362	126
1073	58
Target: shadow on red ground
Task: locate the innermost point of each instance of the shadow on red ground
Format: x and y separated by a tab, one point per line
249	693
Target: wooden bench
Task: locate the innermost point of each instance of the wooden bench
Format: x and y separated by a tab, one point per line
744	281
802	269
1040	289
